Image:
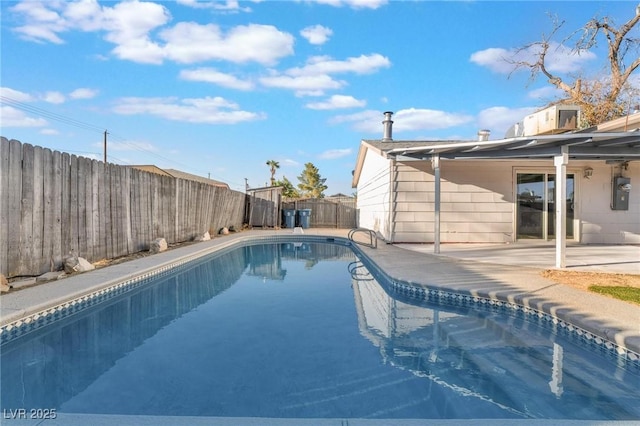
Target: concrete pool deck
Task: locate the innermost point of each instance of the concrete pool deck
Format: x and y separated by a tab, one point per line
507	272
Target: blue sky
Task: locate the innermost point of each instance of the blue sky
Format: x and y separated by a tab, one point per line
217	88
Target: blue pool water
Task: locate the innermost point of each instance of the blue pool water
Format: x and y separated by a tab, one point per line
304	331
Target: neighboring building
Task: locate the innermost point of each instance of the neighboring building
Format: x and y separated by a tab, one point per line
150	168
342	199
503	191
179	175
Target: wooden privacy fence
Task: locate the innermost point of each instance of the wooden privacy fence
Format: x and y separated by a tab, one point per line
326	213
263	206
53	203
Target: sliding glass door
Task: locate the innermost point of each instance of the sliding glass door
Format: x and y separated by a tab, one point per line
536	213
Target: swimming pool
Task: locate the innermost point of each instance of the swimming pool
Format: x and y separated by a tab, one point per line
304	330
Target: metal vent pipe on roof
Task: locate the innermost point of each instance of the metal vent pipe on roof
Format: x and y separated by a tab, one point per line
388	124
483	135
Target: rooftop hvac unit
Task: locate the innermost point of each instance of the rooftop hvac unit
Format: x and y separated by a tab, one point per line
552	120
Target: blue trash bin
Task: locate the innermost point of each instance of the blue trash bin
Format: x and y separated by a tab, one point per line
289	218
305	217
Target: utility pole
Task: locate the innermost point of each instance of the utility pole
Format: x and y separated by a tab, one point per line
105	147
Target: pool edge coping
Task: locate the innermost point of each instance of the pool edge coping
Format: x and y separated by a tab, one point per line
34	314
22	315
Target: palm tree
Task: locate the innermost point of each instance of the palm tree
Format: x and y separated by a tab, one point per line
273	165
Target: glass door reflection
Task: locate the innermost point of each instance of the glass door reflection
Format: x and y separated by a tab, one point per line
536	205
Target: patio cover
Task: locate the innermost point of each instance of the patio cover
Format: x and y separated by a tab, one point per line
612	147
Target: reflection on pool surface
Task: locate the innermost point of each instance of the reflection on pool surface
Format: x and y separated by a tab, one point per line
302	330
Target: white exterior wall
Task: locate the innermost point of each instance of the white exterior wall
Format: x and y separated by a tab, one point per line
600	224
476	203
374	194
477	200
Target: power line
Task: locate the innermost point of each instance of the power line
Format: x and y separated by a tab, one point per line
86	153
183	166
87	126
48	114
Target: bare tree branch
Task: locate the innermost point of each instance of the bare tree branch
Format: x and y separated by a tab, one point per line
600	98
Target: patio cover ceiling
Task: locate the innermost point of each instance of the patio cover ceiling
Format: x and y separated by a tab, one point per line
560	148
616	146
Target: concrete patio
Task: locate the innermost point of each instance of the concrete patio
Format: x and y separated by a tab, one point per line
623	259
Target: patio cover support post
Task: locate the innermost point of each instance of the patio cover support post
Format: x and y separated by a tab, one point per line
435	163
560	161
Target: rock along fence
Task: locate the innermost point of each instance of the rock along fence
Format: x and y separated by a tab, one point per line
54	203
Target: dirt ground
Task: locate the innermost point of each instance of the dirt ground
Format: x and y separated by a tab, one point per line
108	262
582	280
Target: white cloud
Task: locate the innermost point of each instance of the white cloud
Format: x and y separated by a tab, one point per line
333	154
188	42
303	84
53	97
337	102
12	117
226	5
211	75
363	64
86	15
499	119
354	4
209	110
315	76
83	93
142	51
128	21
496	59
428	119
410	119
559	58
15	95
129	25
563	59
316	34
43	23
367	121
